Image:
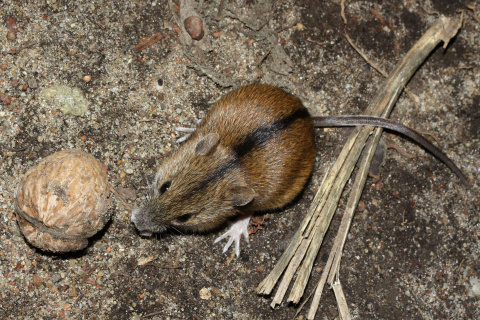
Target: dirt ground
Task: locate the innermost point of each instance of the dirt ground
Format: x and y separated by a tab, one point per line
412	252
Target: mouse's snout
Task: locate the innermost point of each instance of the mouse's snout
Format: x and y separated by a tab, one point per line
142	223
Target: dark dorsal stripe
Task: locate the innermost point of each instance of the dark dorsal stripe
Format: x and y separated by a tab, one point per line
252	140
217	174
263	134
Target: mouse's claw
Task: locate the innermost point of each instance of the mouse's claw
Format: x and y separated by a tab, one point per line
237	229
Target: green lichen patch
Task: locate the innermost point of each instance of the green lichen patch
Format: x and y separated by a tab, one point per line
68	100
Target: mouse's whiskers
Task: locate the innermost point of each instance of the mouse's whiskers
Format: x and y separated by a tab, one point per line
177	230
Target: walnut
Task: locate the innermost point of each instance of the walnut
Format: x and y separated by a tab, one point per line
63	201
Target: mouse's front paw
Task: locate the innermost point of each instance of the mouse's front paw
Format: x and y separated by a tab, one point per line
237	229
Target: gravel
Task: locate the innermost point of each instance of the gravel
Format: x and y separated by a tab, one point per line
413	251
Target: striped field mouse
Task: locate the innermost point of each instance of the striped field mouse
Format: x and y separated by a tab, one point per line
253	151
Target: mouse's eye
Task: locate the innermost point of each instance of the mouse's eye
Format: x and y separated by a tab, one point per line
184	218
164	187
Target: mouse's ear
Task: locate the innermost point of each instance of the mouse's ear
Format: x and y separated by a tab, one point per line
207	143
241	195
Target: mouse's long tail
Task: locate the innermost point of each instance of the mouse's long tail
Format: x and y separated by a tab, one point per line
351	120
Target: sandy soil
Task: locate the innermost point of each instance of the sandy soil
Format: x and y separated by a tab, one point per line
413	251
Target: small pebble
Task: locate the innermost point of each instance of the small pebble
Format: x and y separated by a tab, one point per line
55	278
361	206
205	294
11	36
3	67
87	78
37	281
194	27
32	83
72	292
300	26
14	82
6	99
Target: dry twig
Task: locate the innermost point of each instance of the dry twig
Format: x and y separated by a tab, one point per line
147	42
161	266
23	47
401	151
474	11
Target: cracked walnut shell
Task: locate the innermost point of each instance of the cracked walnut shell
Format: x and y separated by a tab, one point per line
62	201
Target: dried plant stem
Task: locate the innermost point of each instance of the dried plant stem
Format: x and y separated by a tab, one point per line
341	301
330	272
317	220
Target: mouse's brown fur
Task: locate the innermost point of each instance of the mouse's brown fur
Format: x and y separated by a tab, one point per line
253	151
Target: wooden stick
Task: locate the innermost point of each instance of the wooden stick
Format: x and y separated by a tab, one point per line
341	301
352	204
